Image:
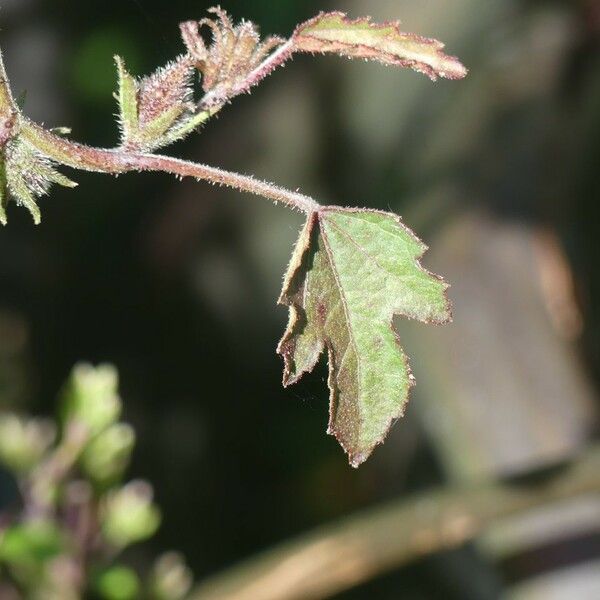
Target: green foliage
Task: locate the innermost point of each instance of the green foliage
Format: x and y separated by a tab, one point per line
385	43
28	545
28	174
117	583
352	269
351	272
76	515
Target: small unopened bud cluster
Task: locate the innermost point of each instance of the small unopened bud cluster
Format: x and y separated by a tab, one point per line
76	510
235	51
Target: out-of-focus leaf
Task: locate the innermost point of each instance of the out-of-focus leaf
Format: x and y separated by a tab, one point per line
351	272
117	583
29	545
361	38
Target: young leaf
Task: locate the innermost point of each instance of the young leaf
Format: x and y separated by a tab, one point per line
28	174
360	38
128	102
352	270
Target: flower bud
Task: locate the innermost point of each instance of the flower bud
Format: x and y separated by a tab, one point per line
171	578
108	454
128	514
23	442
90	397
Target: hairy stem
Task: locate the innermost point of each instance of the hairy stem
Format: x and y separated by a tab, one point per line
8	111
6	100
123	160
115	161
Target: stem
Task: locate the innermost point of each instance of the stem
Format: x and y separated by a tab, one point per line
7	104
118	160
8	111
53	470
244	183
340	556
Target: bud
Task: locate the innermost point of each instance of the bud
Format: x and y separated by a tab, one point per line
171	578
128	514
90	397
117	583
23	442
152	110
235	51
108	454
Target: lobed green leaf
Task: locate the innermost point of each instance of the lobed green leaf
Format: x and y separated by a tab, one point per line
351	272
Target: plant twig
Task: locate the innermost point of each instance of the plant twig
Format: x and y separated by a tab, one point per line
342	555
8	112
117	160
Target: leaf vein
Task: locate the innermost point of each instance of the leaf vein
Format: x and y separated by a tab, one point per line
344	303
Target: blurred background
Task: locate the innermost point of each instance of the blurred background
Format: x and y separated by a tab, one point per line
176	283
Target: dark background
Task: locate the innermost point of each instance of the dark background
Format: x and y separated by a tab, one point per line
176	283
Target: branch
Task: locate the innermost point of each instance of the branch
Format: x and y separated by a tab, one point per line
356	549
159	109
8	112
117	160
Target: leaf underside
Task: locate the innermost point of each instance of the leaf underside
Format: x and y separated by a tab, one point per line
383	42
351	272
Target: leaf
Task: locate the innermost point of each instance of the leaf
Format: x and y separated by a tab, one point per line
385	43
117	583
128	102
30	544
27	174
352	270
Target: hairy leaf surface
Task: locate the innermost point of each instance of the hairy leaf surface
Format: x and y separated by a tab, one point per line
383	42
352	270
